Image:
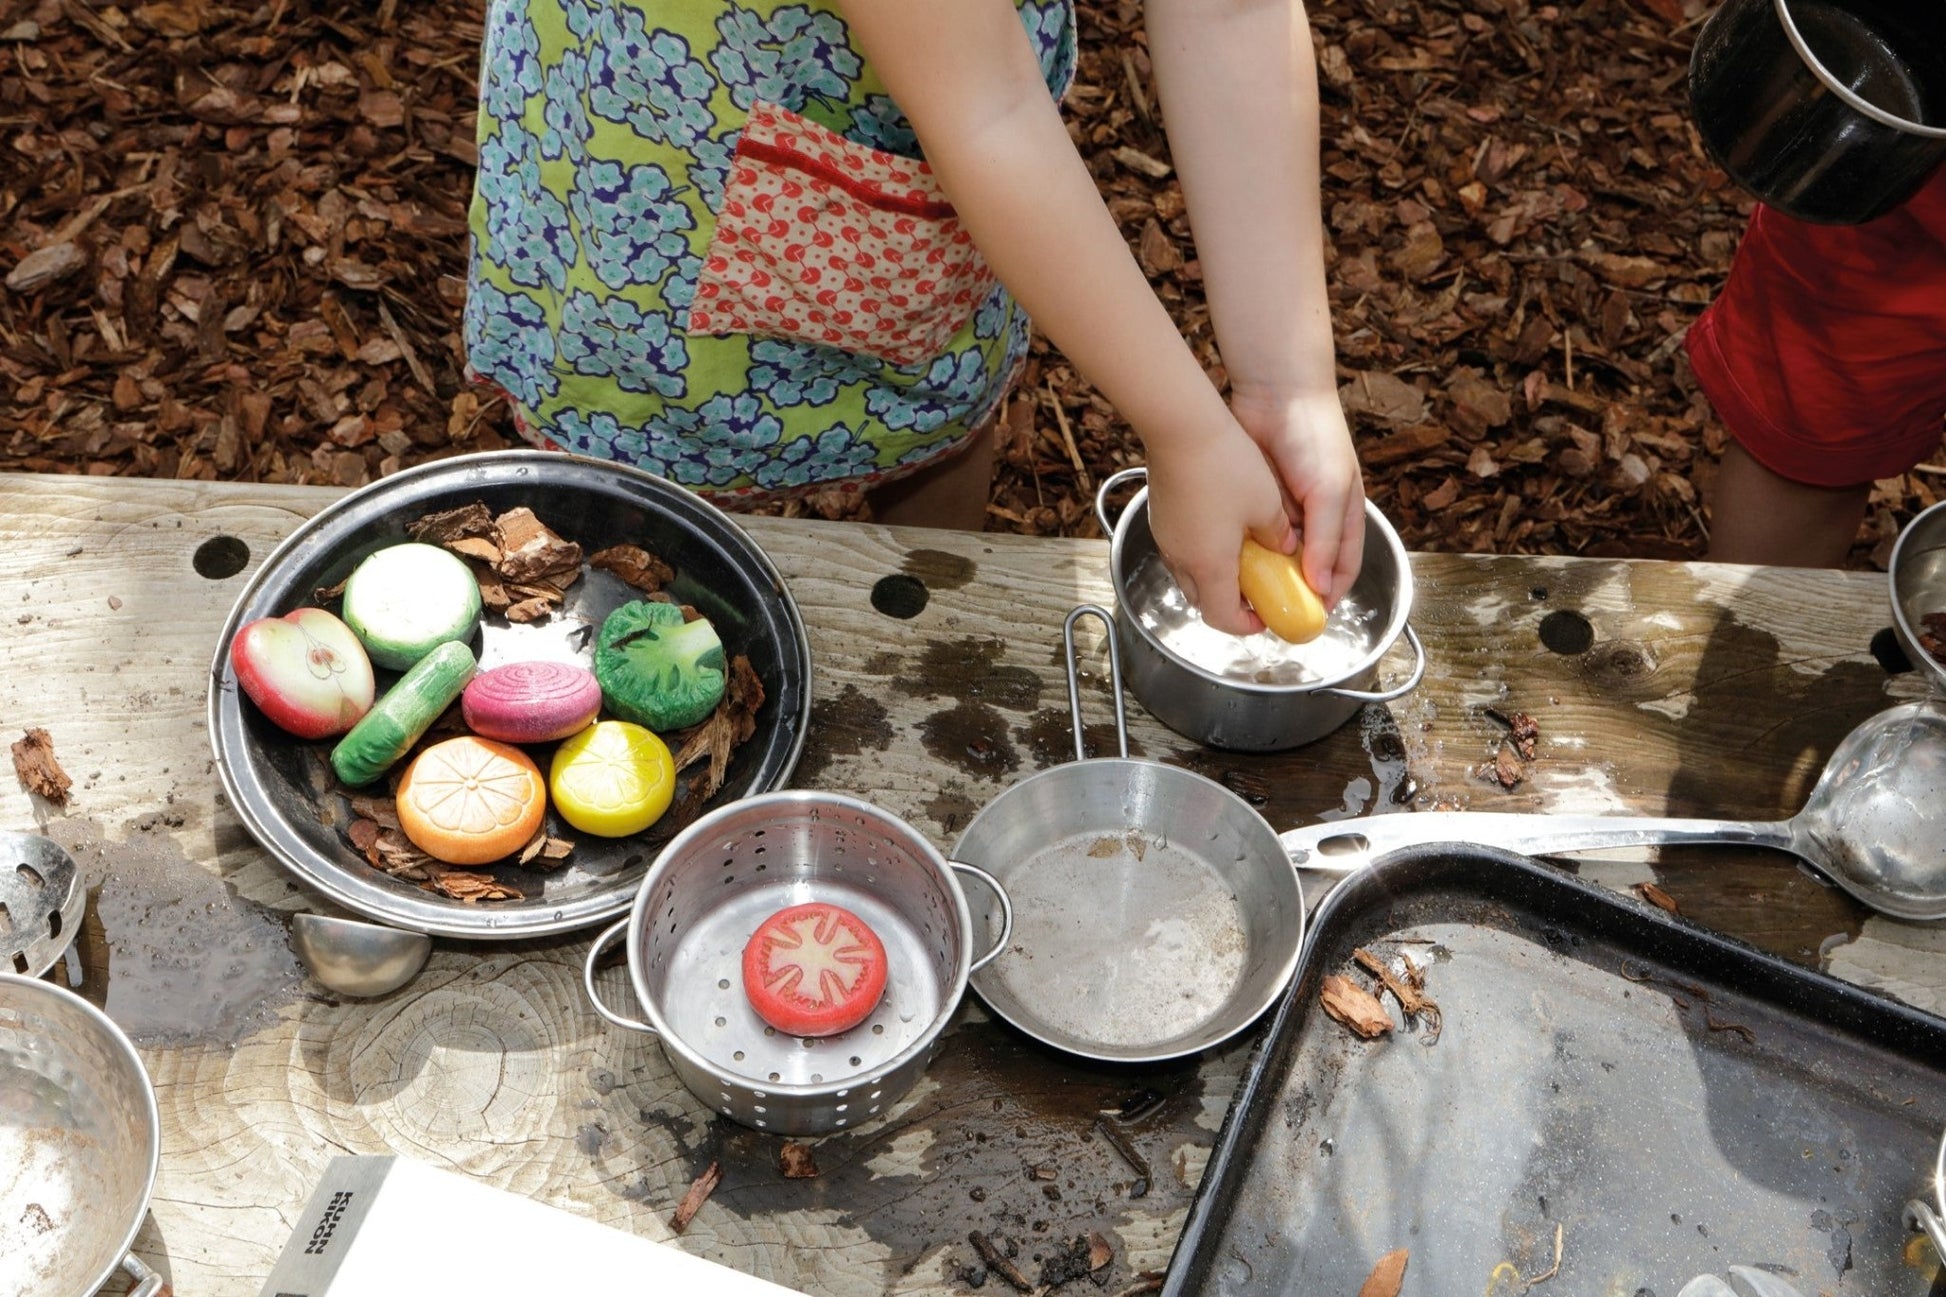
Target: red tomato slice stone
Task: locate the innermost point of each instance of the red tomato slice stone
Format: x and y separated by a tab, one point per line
814	970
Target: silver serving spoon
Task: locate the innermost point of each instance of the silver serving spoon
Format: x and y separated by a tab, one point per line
1875	824
358	959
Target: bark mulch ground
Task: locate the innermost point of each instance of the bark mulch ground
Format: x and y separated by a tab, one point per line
231	242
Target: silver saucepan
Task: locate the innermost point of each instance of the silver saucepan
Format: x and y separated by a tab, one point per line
1254	693
1155	913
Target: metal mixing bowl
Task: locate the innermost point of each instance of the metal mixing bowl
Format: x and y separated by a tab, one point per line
79	1143
282	787
1918	584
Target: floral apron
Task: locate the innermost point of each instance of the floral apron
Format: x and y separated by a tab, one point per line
704	244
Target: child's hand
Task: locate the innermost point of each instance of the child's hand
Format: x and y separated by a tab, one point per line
1309	445
1205	495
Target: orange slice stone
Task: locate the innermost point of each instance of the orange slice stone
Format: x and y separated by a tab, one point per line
471	801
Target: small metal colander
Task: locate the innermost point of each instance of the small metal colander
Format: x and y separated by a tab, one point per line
711	888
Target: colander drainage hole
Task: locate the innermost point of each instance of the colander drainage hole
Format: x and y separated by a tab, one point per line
738	1056
878	1029
807	1042
817	1078
855	1062
728	879
721	1021
722	983
776	1076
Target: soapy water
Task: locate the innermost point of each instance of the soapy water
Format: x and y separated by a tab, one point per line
1263	658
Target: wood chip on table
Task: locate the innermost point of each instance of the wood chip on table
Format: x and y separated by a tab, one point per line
1354	1006
796	1161
1506	768
699	1191
1523	730
1387	1277
38	771
998	1261
1657	897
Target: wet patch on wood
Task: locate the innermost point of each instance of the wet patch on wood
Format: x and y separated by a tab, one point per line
952	808
939	569
971	737
969	669
1048	737
1006	1121
847	725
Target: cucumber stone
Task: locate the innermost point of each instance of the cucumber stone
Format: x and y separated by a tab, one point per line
405	600
402	717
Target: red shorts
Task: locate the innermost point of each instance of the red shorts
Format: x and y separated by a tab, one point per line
1825	353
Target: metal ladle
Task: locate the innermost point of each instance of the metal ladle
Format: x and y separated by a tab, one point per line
358	959
1875	824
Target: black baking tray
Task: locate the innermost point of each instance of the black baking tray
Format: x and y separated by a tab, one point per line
1670	1100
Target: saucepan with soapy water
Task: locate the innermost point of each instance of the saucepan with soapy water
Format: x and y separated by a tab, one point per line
1254	693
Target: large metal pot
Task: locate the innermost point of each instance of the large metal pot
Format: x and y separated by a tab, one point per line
1828	110
1253	693
719	879
79	1144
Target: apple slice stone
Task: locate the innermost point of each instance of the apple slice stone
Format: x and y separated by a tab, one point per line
306	671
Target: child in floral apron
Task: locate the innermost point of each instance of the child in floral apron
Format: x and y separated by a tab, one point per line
705	242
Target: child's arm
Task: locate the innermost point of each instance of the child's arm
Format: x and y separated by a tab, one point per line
965	75
1238	81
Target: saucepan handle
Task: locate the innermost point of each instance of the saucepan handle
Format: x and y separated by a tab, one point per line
992	884
1108	487
1920	1216
602	943
1074	678
147	1282
1410	683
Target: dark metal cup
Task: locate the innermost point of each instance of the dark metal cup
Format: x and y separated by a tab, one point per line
1831	111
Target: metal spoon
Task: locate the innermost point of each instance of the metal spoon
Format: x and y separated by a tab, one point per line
1875	824
358	959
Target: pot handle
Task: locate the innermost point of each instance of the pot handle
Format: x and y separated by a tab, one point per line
1920	1216
992	884
1107	487
147	1282
603	942
1396	691
1074	678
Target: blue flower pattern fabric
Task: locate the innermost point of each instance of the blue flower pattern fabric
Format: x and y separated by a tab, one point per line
608	129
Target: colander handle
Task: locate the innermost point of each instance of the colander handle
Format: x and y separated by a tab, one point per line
1396	691
602	943
992	884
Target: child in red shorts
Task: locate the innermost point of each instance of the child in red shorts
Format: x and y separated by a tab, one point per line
1825	357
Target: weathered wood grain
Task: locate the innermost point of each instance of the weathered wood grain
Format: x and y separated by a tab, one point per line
1701	690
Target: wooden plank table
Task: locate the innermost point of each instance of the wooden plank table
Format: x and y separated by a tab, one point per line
1677	688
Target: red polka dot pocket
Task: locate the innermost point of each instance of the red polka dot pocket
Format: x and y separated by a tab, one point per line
823	240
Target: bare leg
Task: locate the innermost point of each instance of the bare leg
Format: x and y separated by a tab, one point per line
951	494
1758	517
